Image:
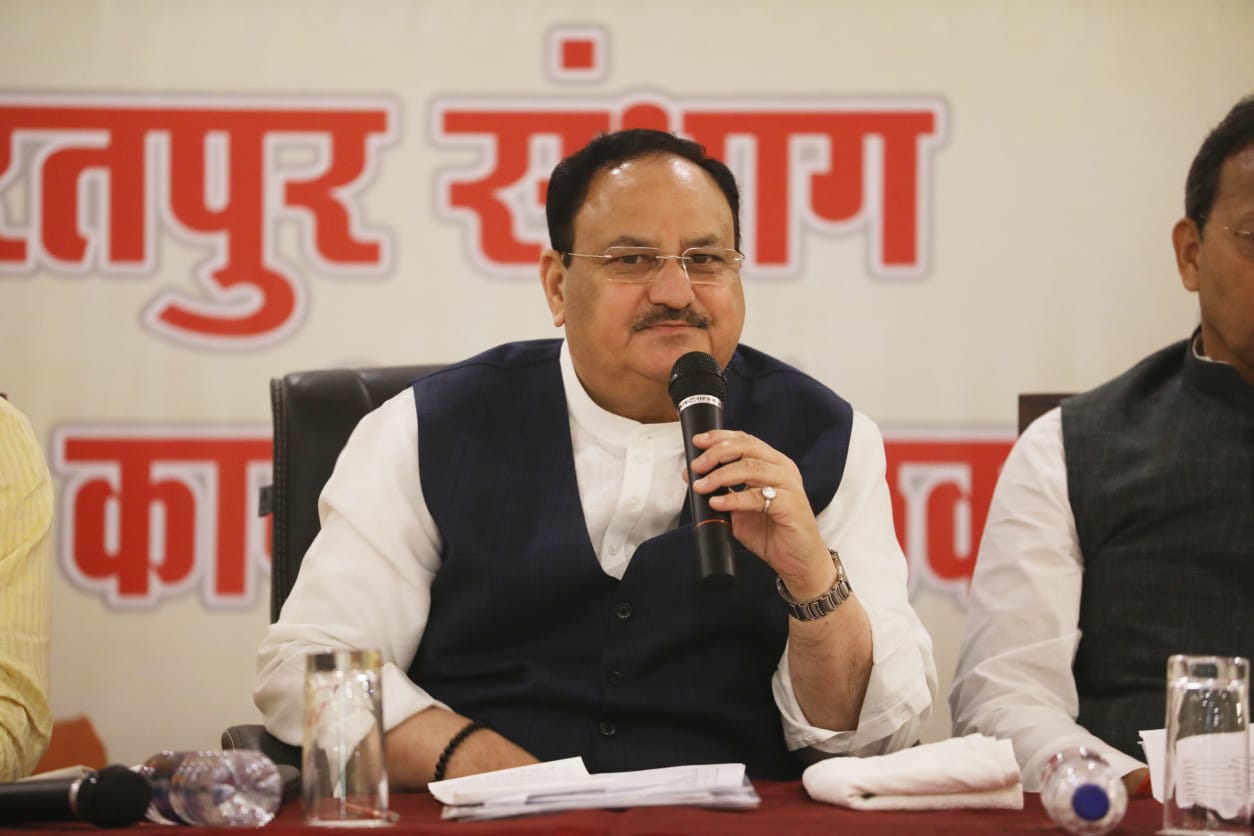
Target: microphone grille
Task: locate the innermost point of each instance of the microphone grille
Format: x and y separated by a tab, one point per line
696	373
113	797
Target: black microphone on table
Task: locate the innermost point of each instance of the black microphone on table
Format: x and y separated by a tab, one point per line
113	797
697	388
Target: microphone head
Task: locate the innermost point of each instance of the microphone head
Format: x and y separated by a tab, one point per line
113	797
696	373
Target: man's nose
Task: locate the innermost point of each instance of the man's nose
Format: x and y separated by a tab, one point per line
671	286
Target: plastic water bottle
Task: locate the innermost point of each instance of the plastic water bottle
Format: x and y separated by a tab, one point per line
1082	793
229	788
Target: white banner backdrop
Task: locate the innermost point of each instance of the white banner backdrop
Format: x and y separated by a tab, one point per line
945	204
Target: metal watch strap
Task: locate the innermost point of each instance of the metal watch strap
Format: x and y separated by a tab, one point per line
825	603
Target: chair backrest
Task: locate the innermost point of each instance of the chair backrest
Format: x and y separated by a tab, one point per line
1033	405
314	412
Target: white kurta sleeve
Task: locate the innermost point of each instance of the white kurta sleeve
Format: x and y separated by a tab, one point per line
365	581
1014	678
858	523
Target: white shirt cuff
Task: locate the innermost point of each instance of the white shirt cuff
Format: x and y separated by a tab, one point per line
402	698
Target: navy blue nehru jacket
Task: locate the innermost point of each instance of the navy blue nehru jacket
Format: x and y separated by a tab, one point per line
528	634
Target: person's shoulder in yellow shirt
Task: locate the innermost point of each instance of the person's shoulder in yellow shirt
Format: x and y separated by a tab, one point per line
25	592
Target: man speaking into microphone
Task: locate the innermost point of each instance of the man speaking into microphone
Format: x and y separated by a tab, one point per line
514	531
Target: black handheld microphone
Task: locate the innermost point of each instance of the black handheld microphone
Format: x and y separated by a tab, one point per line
697	388
113	797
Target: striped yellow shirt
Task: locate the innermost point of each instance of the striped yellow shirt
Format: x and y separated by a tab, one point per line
25	608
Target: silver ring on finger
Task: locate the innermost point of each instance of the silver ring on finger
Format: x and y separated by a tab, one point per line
768	496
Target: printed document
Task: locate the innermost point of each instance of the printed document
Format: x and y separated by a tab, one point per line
567	785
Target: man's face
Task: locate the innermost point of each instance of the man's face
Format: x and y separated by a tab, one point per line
624	338
1219	265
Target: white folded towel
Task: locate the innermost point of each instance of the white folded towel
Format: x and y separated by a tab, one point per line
973	771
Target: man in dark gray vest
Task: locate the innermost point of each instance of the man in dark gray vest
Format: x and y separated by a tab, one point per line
513	530
1122	526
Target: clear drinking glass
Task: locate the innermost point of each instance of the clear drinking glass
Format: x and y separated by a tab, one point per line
1208	751
343	763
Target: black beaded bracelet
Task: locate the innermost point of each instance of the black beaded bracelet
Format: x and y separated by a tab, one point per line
457	740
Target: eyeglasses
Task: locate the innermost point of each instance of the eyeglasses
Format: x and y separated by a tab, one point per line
1245	234
641	265
1245	239
1242	234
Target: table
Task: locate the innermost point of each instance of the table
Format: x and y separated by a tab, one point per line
786	811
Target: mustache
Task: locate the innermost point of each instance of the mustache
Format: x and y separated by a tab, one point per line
662	313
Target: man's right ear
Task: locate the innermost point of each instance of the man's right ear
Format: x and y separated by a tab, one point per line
1186	238
553	280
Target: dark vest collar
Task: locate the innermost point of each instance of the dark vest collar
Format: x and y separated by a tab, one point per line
1216	379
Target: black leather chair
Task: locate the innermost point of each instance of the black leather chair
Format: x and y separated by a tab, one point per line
313	412
1033	405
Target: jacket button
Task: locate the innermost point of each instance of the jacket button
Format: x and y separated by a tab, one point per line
607	728
623	611
615	677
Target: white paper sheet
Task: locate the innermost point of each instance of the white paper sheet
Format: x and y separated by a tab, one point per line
1154	744
567	785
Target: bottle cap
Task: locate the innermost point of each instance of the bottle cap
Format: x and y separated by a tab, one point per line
1090	802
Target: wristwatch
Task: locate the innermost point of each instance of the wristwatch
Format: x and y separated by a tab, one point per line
825	603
